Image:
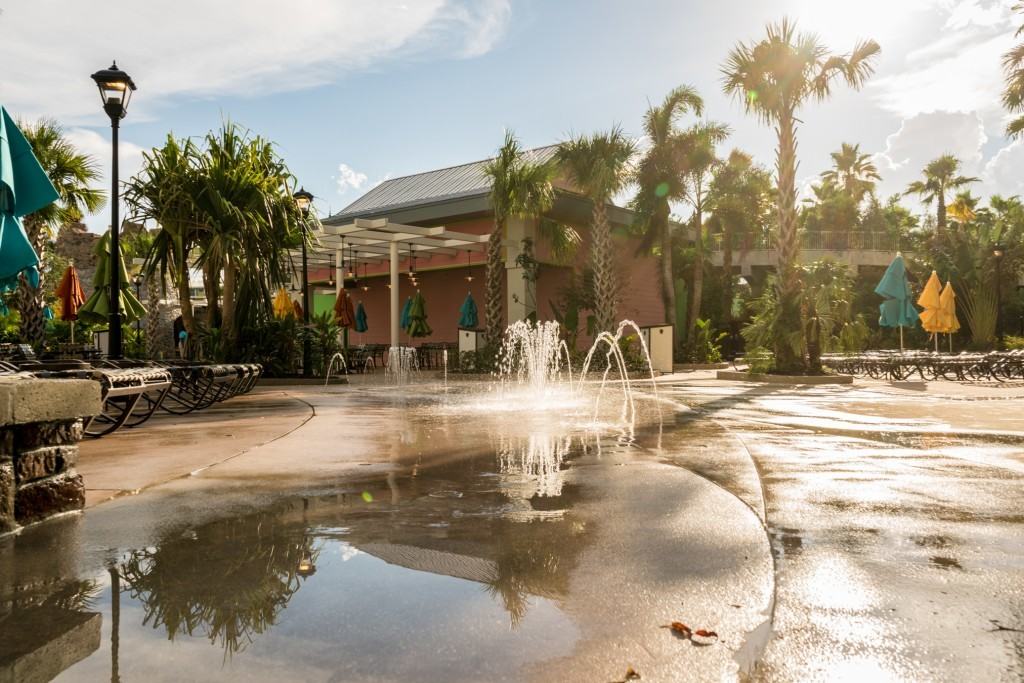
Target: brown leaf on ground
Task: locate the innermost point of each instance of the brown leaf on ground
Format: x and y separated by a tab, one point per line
681	630
631	675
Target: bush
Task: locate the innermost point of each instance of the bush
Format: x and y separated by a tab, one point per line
707	346
760	360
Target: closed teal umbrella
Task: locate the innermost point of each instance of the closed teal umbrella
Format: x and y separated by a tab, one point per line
418	326
898	308
361	325
468	318
24	188
404	320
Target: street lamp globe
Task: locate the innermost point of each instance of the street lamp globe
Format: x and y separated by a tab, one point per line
116	89
303	200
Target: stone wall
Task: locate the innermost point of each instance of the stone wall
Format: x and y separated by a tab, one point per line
40	427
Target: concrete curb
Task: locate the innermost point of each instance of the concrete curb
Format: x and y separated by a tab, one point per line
736	376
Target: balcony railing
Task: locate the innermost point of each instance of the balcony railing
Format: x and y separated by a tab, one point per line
815	241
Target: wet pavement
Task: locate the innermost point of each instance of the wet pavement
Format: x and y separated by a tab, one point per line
367	534
897	526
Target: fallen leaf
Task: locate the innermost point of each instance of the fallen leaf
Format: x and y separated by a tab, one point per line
631	675
681	630
705	634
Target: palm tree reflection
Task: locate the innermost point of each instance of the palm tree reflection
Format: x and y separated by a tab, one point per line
227	580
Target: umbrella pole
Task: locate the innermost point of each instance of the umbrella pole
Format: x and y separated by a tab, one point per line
901	338
951	342
936	342
72	331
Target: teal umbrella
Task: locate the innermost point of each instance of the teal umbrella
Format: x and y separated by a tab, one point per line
24	188
404	320
898	308
418	326
97	308
468	318
361	325
47	313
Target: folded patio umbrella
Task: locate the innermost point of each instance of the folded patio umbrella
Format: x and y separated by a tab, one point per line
418	326
297	310
403	321
468	318
24	188
282	304
70	294
897	310
344	313
97	308
47	313
361	325
947	312
931	316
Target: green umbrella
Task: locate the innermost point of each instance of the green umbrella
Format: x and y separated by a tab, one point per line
898	308
97	308
361	325
403	321
24	188
418	326
468	318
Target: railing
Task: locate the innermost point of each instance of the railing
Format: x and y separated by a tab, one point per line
817	241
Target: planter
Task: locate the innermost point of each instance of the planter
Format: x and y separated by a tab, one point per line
300	381
736	376
687	367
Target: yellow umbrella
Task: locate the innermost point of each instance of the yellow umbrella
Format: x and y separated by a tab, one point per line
282	304
931	316
948	312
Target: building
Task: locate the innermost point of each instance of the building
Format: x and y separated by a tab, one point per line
437	224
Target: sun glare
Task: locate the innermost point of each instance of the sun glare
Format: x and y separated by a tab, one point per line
840	24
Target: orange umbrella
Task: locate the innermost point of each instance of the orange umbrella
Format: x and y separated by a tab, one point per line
344	312
297	310
70	293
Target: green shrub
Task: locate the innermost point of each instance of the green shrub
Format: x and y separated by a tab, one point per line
760	360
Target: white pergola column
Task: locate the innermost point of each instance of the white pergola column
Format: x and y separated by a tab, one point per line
393	253
339	276
521	295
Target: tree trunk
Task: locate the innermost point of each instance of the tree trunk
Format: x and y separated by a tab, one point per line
727	269
787	359
211	283
668	285
30	299
693	312
228	322
188	319
605	285
940	213
154	288
493	327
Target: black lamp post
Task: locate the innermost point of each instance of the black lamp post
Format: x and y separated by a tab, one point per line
999	251
115	90
137	281
304	199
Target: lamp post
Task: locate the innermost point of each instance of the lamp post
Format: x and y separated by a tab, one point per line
116	89
999	251
303	200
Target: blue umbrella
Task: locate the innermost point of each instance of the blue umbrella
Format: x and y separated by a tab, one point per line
405	320
468	318
24	188
361	325
898	308
47	313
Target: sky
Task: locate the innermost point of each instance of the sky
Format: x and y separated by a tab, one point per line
355	92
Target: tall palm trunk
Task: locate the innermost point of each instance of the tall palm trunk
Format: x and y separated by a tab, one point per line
211	283
605	285
492	286
693	312
668	285
30	299
940	212
154	288
787	359
188	319
228	323
727	269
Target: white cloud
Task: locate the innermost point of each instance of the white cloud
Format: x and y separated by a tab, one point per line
201	48
1003	172
98	147
349	179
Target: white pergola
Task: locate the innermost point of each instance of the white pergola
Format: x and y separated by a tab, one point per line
378	240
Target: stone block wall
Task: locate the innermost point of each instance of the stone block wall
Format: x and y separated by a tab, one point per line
40	427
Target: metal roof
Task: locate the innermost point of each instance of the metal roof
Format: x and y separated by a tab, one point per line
465	180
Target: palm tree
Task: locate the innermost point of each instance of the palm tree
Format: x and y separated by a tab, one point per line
852	172
739	202
520	188
1013	94
72	173
774	78
964	207
599	165
940	178
659	176
699	163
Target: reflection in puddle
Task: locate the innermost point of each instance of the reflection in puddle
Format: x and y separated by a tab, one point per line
536	461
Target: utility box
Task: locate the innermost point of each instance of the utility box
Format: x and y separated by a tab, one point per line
659	343
101	340
470	340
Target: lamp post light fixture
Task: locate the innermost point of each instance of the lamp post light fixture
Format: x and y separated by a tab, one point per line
304	200
998	251
116	88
